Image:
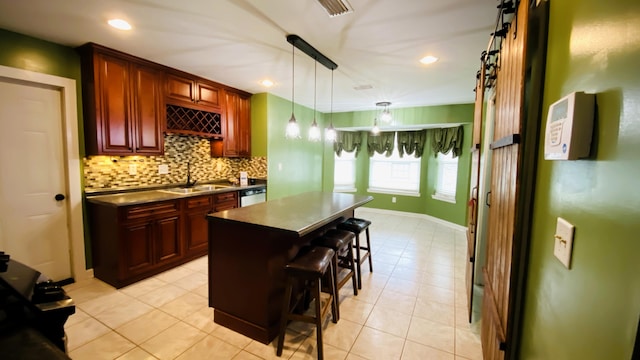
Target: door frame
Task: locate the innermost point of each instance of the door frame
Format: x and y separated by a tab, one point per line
71	152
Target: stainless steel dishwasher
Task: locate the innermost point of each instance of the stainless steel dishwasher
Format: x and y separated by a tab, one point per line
253	196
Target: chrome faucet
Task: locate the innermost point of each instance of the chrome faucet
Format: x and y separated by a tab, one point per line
189	182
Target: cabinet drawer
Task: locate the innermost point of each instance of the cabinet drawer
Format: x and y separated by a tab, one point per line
198	202
226	196
142	211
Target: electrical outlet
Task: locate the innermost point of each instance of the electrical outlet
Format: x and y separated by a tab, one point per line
279	166
133	169
163	169
393	199
218	166
563	241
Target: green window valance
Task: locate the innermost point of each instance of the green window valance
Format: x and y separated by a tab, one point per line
411	142
447	139
348	141
381	143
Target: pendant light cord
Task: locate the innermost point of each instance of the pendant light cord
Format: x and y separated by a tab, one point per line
315	88
331	114
293	75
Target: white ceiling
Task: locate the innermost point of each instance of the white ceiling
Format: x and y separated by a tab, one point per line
241	42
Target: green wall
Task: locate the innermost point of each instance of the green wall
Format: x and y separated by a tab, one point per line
590	311
424	204
294	166
259	125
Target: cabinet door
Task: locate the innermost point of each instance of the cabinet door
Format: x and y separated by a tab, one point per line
197	232
137	249
208	94
244	126
168	241
112	108
237	137
180	88
232	124
148	112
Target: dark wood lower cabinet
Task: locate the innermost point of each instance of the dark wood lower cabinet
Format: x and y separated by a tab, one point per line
137	246
196	225
130	243
168	240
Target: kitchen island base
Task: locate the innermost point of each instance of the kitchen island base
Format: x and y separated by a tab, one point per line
249	248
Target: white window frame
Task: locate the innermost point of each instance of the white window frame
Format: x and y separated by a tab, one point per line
394	174
447	179
344	172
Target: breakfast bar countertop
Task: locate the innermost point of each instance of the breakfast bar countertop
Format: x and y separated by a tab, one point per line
298	214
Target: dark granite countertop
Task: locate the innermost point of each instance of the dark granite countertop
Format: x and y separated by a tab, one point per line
301	213
147	196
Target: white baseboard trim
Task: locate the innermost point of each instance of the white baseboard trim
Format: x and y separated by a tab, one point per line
416	215
87	274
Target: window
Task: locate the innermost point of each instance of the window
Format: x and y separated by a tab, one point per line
394	175
344	173
447	177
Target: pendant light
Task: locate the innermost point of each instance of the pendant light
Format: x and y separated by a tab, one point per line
330	134
314	130
293	129
375	130
385	116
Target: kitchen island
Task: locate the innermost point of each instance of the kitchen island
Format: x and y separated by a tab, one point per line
249	247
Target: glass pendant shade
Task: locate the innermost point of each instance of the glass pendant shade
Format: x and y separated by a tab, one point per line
293	129
330	134
375	130
314	132
386	116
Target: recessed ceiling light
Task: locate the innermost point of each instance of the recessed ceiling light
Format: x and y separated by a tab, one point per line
119	24
266	83
428	59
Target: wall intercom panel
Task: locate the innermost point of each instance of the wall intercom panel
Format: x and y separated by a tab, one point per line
570	127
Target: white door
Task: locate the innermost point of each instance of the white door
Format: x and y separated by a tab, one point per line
33	224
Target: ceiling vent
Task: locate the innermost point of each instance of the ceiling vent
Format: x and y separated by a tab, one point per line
336	7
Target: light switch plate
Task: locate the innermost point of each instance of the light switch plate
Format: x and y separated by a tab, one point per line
133	169
163	169
563	241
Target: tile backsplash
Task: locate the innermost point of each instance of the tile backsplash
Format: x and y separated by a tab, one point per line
106	172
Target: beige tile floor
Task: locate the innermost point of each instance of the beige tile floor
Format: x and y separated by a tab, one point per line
412	306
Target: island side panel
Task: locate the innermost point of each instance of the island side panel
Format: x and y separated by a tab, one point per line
242	259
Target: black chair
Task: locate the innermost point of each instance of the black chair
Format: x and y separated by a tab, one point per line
356	226
312	266
341	242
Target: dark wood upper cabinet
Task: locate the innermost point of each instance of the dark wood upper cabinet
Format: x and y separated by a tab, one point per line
237	133
192	92
129	103
148	110
123	104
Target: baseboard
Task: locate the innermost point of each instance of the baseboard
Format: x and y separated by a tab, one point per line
87	274
415	215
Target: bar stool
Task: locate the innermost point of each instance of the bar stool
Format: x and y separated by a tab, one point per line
356	226
310	266
341	242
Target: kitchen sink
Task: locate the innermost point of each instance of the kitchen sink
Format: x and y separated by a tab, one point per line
195	189
211	187
181	190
